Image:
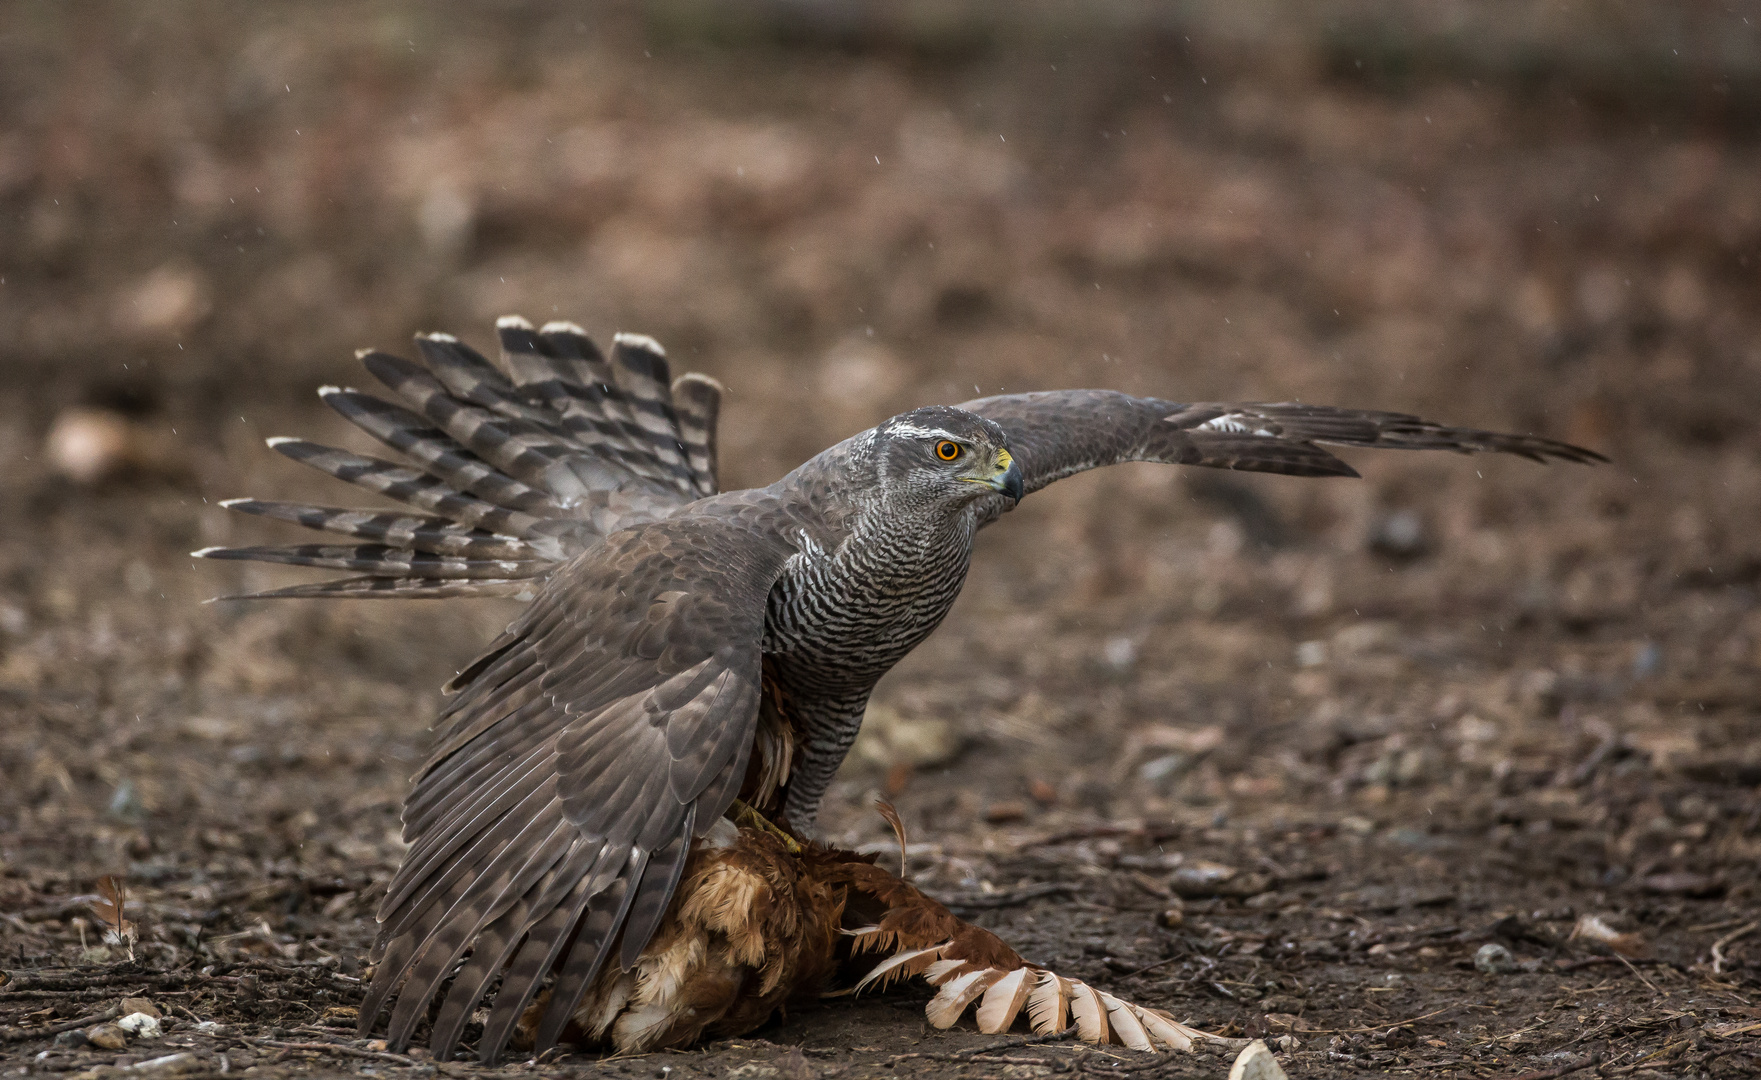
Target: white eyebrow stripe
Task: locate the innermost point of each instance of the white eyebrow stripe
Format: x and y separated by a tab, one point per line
913	431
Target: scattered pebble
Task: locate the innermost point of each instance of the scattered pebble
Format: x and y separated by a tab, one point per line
1161	772
1199	879
1001	813
168	301
107	1037
1257	1063
890	740
140	1025
72	1040
1400	534
1494	959
90	446
140	1005
1120	653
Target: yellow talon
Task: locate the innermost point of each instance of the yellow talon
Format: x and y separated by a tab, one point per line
744	815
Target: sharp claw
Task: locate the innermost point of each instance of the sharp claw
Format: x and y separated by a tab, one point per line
746	816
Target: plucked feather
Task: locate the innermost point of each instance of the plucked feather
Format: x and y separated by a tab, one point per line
945	1008
1087	1011
1048	1004
1126	1026
901	966
1173	1034
1003	1001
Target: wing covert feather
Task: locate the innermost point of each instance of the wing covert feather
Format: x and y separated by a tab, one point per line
603	729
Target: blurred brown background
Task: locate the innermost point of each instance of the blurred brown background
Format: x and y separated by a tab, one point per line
1538	687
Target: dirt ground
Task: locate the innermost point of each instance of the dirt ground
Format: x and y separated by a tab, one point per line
1281	756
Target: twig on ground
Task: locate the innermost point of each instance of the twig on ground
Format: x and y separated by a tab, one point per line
1372	1027
1637	974
1668	1051
1563	1070
1722	924
1494	1040
20	984
1164	962
1718	946
331	1048
1598	961
12	1034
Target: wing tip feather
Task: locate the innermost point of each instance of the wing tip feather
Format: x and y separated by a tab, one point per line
638	341
698	378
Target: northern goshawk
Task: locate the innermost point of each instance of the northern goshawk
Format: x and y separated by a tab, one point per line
611	821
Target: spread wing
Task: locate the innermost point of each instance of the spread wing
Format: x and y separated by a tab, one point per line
606	728
1059	433
511	472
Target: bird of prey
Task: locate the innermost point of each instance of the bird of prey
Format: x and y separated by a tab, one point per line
615	824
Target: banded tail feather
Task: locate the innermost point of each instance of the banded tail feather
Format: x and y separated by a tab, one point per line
512	470
621	406
416	532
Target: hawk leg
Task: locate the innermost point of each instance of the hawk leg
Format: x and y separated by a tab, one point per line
747	817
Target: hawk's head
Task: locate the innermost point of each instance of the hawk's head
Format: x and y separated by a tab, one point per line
946	455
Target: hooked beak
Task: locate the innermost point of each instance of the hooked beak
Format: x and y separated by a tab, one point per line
1007	478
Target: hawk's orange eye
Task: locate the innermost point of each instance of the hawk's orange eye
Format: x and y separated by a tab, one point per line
947	451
